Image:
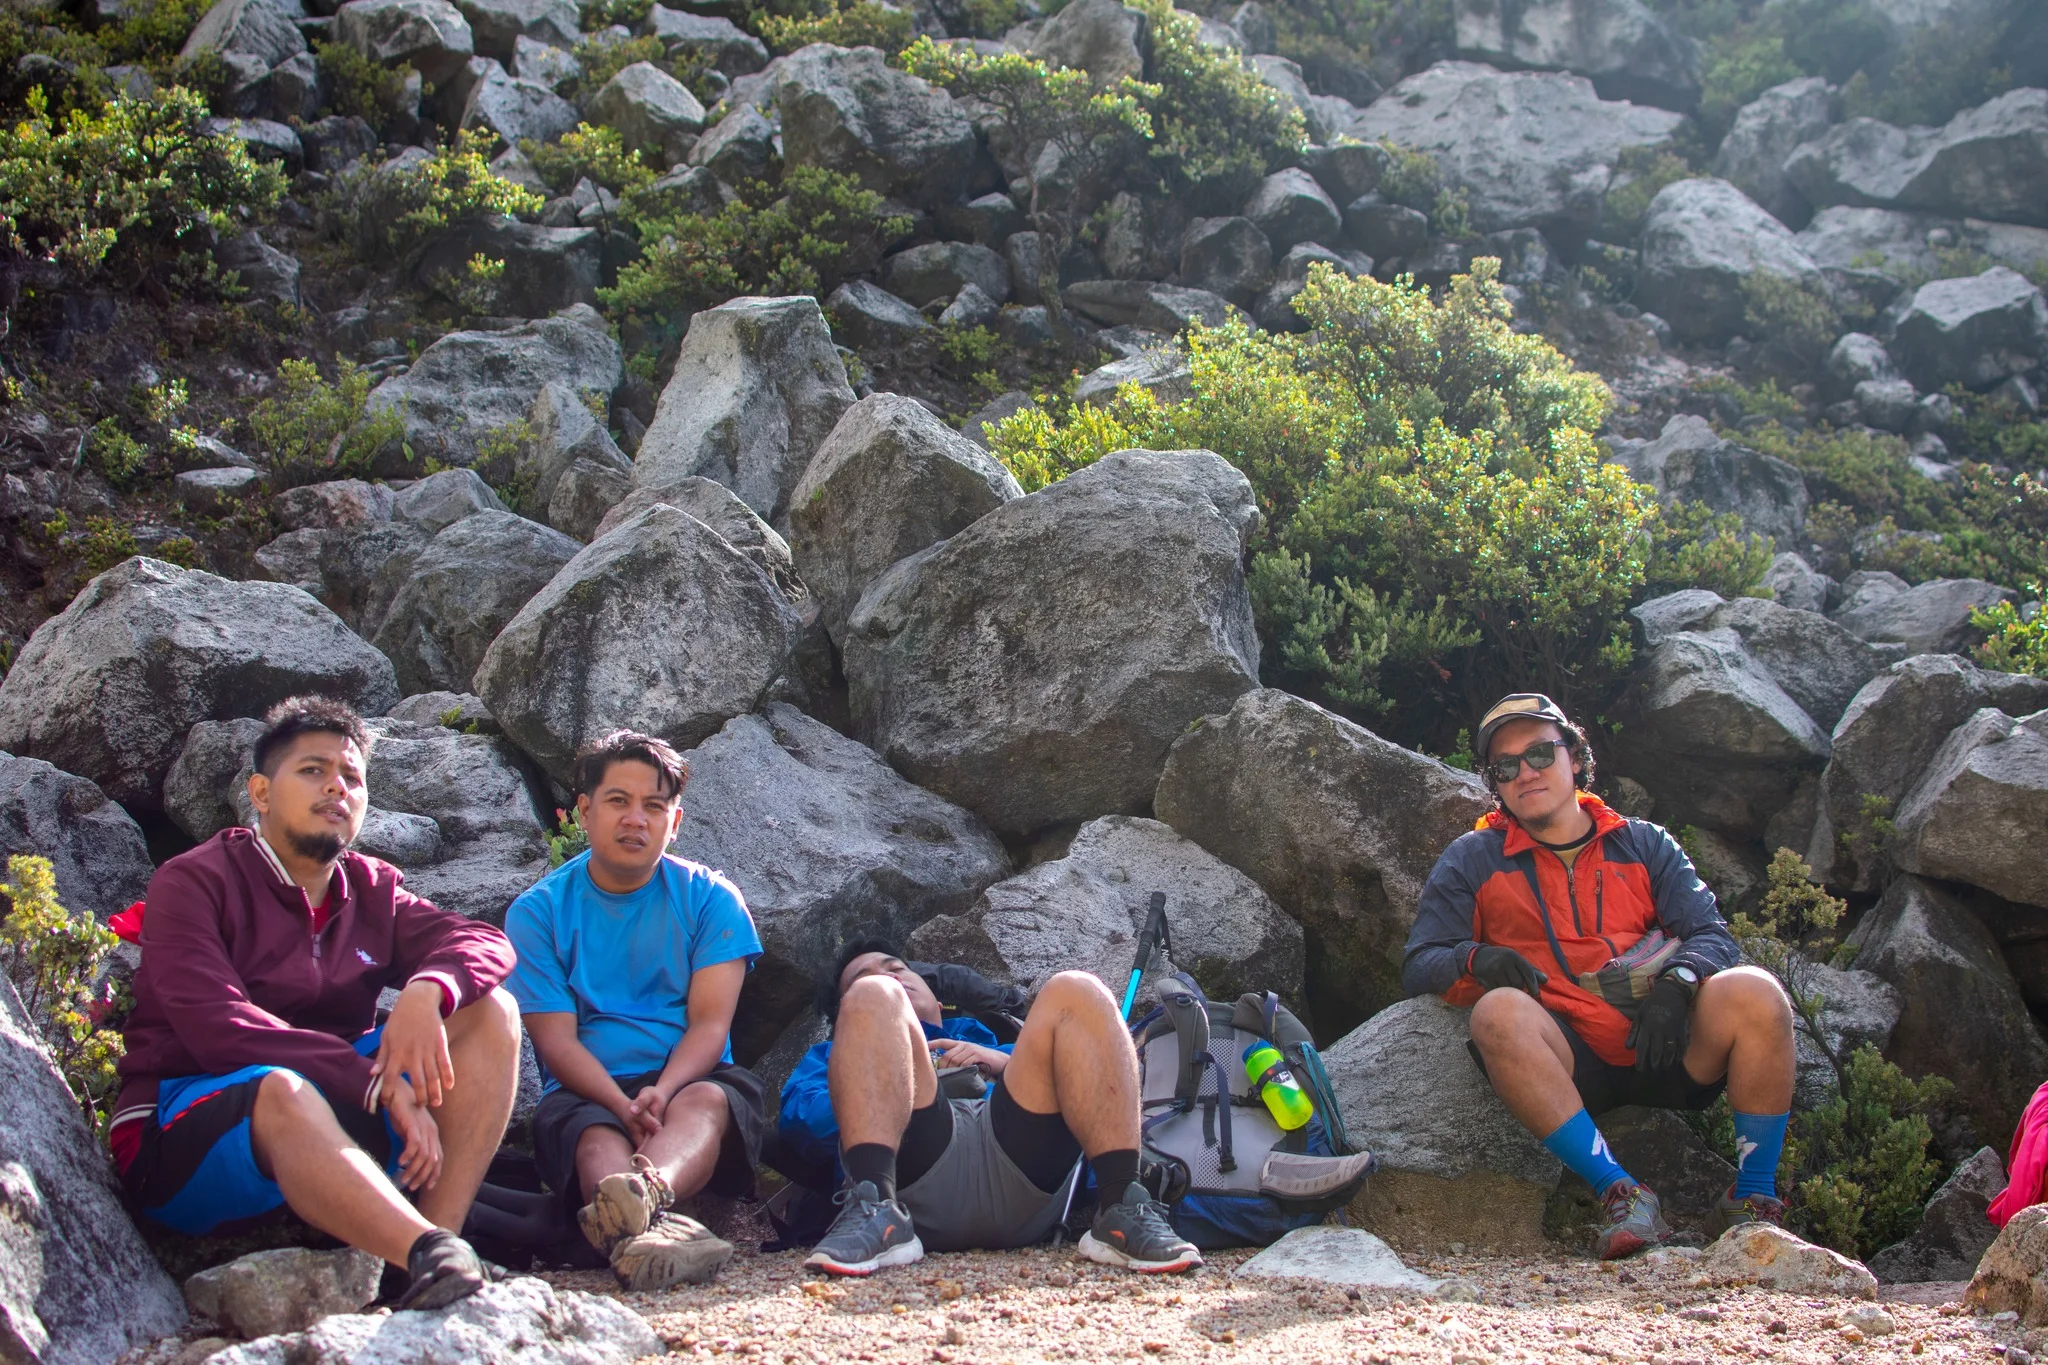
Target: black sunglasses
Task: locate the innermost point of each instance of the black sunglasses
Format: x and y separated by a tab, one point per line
1539	756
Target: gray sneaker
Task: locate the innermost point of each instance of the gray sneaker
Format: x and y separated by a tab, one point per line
1133	1233
869	1234
1635	1221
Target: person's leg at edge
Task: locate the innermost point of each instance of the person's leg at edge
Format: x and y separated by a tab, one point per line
1530	1065
326	1178
483	1045
1742	1029
880	1072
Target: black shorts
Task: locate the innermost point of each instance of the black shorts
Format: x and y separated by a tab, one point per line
1603	1085
563	1116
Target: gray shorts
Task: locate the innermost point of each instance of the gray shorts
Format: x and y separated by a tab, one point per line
974	1198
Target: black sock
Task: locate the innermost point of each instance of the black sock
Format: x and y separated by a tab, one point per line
874	1163
1114	1172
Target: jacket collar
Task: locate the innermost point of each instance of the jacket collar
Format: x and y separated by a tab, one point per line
1605	821
339	892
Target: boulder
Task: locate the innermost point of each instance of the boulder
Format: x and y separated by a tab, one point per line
1712	736
740	147
939	270
337	142
1383	230
1855	359
260	268
522	1321
1964	1017
1351	1257
1820	665
1763	1254
1976	814
1227	256
1702	241
871	317
547	269
1691	462
284	1290
971	308
1857	1007
1660	1149
988	219
97	852
1163	372
1086	909
757	388
1128	579
462	711
107	687
533	60
825	841
470	580
337	504
203	792
582	657
1567	140
1105	38
1766	131
2013	1276
889	481
496	26
715	42
1890	248
1339	826
258	29
443	498
1987	162
77	1283
468	387
561	431
1796	584
1930	618
1289	207
263	139
1974	331
1953	1234
1887	739
429	35
689	189
1454	1165
1165	308
850	111
585	495
1627	50
210	492
719	508
651	110
511	109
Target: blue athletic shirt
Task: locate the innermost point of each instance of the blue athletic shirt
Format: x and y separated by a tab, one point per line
622	964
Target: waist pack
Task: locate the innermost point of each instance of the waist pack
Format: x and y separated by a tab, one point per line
1232	1176
1624	981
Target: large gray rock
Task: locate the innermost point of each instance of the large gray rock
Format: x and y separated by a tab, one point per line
96	850
1930	618
260	30
757	388
1086	909
1820	665
850	111
718	43
547	269
1702	241
869	316
469	581
1227	256
284	1290
660	626
1691	462
1455	1165
1163	372
2013	1276
496	26
651	110
1567	140
523	1321
1953	1234
1127	580
204	792
511	109
468	387
77	1284
1796	583
1290	207
1976	814
1766	131
1765	1254
939	270
825	841
1628	51
1858	1008
719	508
1974	331
740	146
1896	246
561	431
1339	826
1105	38
107	687
1712	736
1165	308
429	35
889	481
1987	162
335	504
445	497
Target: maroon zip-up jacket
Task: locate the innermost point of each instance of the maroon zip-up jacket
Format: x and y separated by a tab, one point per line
233	975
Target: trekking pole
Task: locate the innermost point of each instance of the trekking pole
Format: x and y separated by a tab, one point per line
1149	939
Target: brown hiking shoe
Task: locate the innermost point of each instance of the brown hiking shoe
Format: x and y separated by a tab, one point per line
625	1205
1730	1212
675	1250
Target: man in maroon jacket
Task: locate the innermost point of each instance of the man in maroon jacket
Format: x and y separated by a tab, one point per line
253	1076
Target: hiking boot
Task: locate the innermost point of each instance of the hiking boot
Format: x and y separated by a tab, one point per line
675	1250
625	1205
442	1268
1634	1221
1731	1212
1133	1233
870	1232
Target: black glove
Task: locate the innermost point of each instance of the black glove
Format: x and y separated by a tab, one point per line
1663	1025
1504	967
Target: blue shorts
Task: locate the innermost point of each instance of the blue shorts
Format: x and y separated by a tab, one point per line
195	1170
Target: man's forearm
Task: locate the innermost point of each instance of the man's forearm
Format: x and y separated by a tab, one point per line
691	1059
580	1072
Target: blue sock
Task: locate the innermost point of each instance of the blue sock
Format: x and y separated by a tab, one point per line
1759	1138
1579	1145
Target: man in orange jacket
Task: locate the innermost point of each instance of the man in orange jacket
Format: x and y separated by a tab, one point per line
1599	973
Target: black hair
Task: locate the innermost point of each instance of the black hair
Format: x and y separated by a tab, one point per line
1576	750
595	759
827	997
306	715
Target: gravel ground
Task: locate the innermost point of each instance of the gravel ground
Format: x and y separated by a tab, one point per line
1047	1304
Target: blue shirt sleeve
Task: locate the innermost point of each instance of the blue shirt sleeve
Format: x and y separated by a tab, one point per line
724	928
1441	938
806	1121
539	980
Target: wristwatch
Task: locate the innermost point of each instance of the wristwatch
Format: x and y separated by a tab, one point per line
1686	977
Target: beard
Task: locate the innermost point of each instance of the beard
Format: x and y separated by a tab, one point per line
320	848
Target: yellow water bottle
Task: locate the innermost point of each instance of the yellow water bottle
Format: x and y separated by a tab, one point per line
1267	1070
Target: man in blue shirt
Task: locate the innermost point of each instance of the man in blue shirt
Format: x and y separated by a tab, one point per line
630	964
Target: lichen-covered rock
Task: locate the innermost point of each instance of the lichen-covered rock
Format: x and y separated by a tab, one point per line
1703	242
496	26
1974	331
714	41
1766	131
1820	665
652	111
939	270
1629	52
1165	308
2013	1276
429	35
284	1290
1974	815
1691	462
1760	1253
1987	162
850	111
97	852
1106	38
1927	618
1290	207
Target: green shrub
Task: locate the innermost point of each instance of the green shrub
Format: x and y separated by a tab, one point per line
369	90
1216	126
1640	174
1414	180
119	457
599	153
598	14
1796	321
54	958
310	430
122	190
105	542
568	839
380	211
2014	643
864	24
602	59
801	239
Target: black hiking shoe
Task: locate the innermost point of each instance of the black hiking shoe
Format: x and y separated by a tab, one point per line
444	1269
869	1233
1133	1233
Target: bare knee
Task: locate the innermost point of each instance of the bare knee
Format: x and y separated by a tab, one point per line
495	1014
871	997
285	1098
1750	997
703	1099
1504	1018
1077	991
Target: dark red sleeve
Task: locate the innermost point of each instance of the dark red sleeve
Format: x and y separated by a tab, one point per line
192	980
467	956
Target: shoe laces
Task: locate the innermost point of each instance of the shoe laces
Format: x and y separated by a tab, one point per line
1152	1215
664	1197
1621	1201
